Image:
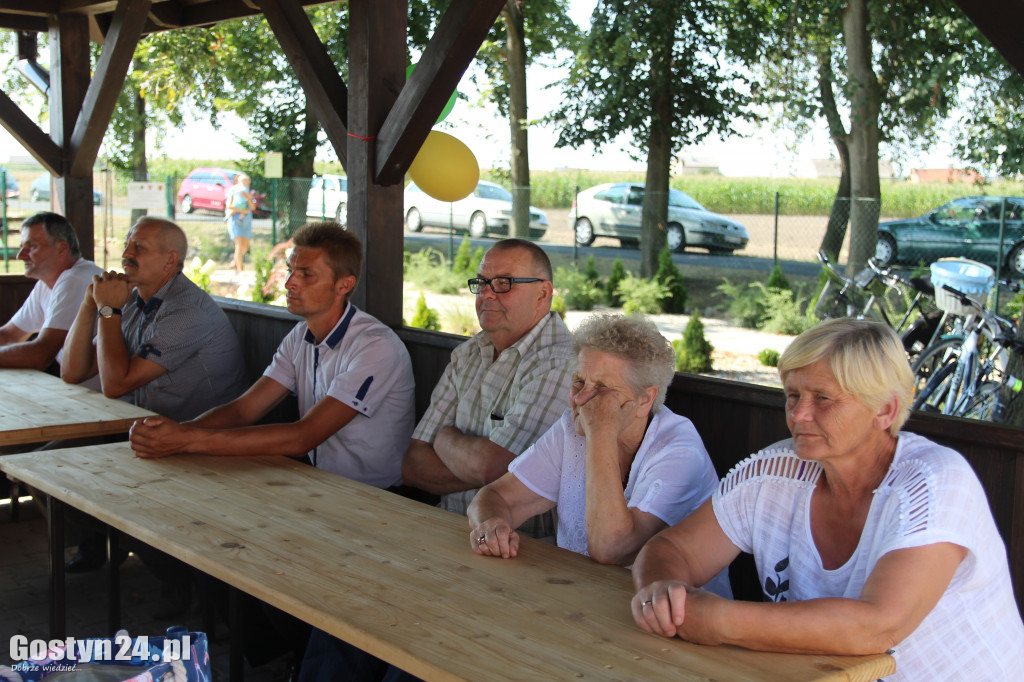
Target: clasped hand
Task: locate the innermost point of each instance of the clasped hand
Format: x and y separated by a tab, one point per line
494	537
670	608
155	437
111	288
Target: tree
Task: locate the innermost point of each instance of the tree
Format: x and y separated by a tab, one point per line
898	71
650	69
528	31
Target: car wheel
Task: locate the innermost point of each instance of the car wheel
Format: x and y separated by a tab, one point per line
413	220
675	238
1016	260
885	250
186	204
478	225
584	232
341	214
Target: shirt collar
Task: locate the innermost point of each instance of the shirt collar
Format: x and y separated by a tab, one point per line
154	303
338	333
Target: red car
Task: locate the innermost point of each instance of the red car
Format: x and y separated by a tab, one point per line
206	188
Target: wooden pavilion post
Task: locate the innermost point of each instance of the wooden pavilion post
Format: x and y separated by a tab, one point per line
377	31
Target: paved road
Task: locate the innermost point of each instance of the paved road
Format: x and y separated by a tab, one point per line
439	241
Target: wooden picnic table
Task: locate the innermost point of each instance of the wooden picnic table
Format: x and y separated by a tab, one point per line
36	407
392	576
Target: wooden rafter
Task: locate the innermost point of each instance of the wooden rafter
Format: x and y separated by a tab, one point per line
449	53
111	70
29	135
325	91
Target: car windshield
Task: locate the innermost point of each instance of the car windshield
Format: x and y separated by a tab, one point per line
683	200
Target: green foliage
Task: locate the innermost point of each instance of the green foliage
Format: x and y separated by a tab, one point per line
668	276
590	270
769	357
640	295
611	287
263	290
428	269
199	272
777	280
785	311
746	305
425	317
463	258
693	351
558	305
579	291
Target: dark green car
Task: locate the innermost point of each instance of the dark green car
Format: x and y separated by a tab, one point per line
966	228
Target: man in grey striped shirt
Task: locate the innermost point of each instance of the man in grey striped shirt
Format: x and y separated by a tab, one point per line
503	388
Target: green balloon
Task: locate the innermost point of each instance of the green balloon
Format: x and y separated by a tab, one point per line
447	107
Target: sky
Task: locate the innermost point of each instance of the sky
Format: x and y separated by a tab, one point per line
763	152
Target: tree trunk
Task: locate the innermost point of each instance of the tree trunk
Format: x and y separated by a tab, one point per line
140	170
839	216
865	104
302	168
659	144
515	52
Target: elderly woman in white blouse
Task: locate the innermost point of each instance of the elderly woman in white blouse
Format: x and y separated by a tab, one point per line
866	539
619	465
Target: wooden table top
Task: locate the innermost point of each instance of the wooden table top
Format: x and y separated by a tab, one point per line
395	577
38	407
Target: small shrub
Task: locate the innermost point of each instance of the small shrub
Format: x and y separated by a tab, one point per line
425	317
558	305
590	271
579	292
746	303
642	296
769	357
460	319
668	275
611	287
428	269
199	272
693	351
777	280
785	312
463	259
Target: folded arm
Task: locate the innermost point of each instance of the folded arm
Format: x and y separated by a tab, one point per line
890	607
79	360
17	351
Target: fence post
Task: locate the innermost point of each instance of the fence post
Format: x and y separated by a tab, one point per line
575	217
273	212
775	245
3	191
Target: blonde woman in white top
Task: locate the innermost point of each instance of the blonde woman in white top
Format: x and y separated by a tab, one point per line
866	539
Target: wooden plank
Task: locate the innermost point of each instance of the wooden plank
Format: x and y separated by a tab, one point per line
105	86
393	576
449	53
323	87
40	408
29	135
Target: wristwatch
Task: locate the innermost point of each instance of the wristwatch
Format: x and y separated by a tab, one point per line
108	311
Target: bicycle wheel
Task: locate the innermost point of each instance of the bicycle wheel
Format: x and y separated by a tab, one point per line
932	396
932	358
983	405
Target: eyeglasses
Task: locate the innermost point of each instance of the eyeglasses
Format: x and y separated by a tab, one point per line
499	285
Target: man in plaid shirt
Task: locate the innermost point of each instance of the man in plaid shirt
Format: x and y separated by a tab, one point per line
503	388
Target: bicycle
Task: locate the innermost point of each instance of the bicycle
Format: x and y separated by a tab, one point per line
879	284
965	375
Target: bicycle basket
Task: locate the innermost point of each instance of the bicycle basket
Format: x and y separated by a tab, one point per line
970	277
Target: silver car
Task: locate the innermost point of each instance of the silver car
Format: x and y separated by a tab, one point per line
614	210
487	211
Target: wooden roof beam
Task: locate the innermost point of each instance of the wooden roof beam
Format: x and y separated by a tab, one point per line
325	91
105	86
29	135
449	53
1000	21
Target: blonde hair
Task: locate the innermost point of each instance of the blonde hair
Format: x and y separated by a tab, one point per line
651	360
867	360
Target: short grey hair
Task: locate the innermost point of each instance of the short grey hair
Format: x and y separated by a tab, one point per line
57	228
651	360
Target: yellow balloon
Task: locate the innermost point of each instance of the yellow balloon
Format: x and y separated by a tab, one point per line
445	168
